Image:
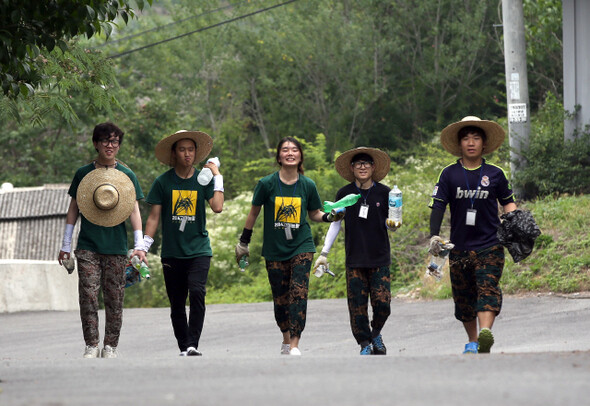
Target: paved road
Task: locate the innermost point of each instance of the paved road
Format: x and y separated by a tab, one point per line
542	357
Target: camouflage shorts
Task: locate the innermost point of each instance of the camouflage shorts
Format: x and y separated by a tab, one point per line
289	282
475	277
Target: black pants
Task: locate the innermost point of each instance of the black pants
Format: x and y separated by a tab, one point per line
186	277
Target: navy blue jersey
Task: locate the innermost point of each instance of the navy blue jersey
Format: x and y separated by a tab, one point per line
366	240
480	189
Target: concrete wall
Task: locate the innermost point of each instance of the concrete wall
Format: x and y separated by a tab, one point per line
27	285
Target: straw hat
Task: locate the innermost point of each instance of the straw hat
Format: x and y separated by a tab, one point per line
203	141
106	197
380	158
494	134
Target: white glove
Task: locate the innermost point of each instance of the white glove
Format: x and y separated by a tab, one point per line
144	244
322	260
241	250
392	225
435	246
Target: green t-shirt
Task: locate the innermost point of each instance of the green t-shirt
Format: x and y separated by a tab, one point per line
99	239
182	201
286	205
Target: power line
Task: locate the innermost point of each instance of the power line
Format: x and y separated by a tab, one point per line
201	29
169	24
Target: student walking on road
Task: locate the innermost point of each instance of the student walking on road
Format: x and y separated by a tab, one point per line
473	188
178	199
288	197
105	193
367	245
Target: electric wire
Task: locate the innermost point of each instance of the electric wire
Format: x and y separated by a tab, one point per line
201	29
106	43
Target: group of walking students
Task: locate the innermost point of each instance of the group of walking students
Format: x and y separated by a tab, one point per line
104	193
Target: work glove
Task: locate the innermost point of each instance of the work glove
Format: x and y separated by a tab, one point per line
241	250
392	225
336	214
435	246
322	260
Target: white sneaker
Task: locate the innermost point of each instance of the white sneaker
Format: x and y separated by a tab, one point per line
285	349
109	352
91	351
295	351
182	353
192	351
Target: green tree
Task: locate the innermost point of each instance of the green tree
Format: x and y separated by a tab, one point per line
32	28
543	31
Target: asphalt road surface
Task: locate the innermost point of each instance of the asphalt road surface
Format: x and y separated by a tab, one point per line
541	357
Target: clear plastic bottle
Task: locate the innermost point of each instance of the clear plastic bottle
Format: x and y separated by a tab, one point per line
206	175
141	266
395	204
437	262
322	269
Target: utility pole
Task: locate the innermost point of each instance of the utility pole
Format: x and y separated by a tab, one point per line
517	88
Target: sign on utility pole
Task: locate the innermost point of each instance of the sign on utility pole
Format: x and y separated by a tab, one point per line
517	88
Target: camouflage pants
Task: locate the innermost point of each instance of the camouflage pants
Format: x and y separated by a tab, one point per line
96	271
475	277
289	282
360	284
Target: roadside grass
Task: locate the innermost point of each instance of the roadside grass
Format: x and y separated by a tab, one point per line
560	261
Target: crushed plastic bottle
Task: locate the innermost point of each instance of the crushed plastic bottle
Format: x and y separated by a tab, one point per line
243	263
322	269
69	264
437	262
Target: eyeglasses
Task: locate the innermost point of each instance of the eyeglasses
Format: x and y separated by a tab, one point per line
105	143
362	164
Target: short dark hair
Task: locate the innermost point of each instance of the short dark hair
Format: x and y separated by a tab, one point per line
362	156
297	144
105	131
470	129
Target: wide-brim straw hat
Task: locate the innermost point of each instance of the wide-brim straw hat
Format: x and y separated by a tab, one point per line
106	197
380	158
203	141
495	134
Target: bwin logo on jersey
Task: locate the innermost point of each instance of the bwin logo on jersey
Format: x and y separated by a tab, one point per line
471	194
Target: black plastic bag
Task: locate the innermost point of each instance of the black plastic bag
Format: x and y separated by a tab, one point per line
518	232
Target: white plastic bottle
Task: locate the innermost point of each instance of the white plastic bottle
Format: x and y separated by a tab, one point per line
395	205
206	175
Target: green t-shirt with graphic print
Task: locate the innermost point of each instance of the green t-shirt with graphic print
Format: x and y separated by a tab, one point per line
183	202
286	206
99	239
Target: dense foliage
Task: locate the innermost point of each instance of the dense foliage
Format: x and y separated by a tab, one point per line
384	74
554	165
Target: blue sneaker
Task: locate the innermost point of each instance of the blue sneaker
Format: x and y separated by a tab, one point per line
471	347
485	340
367	349
378	346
